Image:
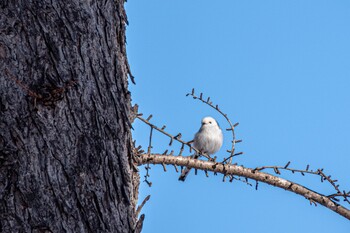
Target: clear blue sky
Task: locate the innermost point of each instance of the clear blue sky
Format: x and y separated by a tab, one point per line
281	69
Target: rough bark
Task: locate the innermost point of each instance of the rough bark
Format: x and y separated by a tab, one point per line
65	142
241	171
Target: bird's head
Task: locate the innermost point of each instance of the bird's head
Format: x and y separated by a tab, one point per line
209	121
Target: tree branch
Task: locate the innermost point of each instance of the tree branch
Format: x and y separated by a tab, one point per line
254	174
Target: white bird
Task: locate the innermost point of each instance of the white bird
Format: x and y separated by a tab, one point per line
207	140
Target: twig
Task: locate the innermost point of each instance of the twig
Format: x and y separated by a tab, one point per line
188	144
149	152
232	126
318	172
142	204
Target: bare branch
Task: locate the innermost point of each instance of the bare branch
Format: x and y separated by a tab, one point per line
240	173
318	172
176	138
254	174
142	204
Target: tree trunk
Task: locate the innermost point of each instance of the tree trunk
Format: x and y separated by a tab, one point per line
65	141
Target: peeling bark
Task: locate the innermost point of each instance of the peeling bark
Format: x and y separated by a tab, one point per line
65	141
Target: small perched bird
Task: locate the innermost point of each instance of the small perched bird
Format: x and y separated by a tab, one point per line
207	140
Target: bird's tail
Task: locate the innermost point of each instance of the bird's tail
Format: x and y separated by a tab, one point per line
187	170
184	173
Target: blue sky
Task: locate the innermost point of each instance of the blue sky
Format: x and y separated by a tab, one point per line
280	69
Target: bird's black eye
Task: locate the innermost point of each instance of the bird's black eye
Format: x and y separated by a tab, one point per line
209	122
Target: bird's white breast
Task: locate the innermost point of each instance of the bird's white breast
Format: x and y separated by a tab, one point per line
208	139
